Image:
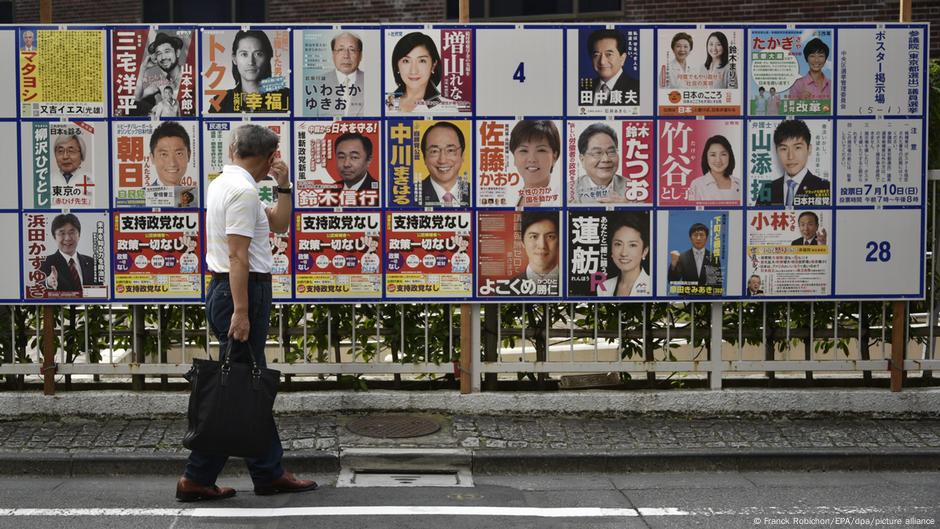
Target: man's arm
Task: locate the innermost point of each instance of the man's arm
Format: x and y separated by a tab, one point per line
279	215
238	281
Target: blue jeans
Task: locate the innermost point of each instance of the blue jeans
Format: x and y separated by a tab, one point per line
204	468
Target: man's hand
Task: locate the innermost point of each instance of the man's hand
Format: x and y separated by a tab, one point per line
280	173
674	256
239	327
52	280
821	237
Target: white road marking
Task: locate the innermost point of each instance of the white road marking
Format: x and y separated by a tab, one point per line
445	510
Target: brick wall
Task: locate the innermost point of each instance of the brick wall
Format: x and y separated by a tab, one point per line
337	11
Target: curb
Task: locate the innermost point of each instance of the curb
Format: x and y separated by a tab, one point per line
495	462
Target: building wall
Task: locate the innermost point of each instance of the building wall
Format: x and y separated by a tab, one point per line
337	11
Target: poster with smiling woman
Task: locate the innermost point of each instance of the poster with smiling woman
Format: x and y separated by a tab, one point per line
700	72
519	163
428	72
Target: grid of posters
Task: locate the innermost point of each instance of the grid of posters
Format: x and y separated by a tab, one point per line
477	162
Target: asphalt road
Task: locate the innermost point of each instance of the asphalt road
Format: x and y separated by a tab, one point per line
667	500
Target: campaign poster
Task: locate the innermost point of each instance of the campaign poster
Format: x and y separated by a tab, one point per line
518	254
519	163
700	72
153	73
62	73
429	255
609	254
246	71
698	162
522	77
64	164
154	164
429	71
429	163
340	72
66	256
790	162
791	72
157	255
880	162
216	139
789	252
697	254
607	63
338	255
609	162
282	282
338	164
882	71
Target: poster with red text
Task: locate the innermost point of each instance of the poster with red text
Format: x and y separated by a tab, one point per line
246	71
66	256
338	255
519	163
518	254
153	73
157	255
429	255
698	163
338	164
610	162
155	164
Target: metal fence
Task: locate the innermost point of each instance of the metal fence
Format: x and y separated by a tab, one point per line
363	344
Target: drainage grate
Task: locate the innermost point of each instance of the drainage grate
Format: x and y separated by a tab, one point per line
368	478
393	426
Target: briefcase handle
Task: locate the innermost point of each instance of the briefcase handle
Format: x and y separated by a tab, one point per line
227	362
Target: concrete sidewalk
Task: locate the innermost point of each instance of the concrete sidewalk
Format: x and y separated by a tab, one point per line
140	432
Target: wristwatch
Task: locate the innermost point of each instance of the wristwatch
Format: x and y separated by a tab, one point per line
286	190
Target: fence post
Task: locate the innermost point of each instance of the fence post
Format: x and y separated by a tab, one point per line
48	350
140	334
715	369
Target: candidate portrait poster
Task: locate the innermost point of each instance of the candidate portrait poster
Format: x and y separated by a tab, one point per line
790	72
282	281
519	254
338	255
429	255
155	164
607	66
519	163
609	254
780	151
880	162
428	71
340	72
153	73
429	163
610	162
64	164
700	72
62	73
67	256
246	71
338	164
790	251
695	253
157	255
881	71
698	162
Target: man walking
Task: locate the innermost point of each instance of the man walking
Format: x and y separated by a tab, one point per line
238	303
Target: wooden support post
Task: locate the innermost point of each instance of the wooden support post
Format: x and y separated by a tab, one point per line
466	328
48	315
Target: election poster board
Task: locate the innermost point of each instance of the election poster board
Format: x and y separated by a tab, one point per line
519	163
428	255
590	126
62	73
340	73
153	72
157	255
338	164
609	254
64	164
246	71
155	164
429	71
791	72
66	256
10	260
610	163
338	255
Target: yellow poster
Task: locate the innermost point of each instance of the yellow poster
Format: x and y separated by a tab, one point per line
63	73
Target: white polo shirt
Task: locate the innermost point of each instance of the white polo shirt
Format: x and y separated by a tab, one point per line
233	207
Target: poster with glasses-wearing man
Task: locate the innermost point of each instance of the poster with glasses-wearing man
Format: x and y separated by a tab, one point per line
339	74
610	162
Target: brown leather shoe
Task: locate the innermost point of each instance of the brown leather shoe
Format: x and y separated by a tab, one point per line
188	490
286	483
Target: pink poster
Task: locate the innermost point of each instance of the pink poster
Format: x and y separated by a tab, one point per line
700	162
